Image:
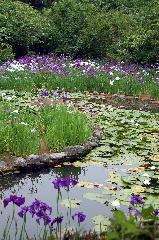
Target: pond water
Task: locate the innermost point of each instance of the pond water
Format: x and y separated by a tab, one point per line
128	155
40	186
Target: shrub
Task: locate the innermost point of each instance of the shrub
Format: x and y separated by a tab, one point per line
121	29
69	18
22	25
6	52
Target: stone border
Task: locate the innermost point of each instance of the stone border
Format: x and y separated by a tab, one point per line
34	163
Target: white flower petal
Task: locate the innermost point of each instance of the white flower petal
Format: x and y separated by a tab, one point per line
15	111
146	182
115	203
152	167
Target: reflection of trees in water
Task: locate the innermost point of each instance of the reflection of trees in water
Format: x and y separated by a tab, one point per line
18	181
65	171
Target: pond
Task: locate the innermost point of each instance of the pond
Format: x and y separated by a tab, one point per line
125	162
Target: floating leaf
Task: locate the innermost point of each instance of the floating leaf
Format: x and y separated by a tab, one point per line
89	185
70	203
79	164
137	189
95	197
155	158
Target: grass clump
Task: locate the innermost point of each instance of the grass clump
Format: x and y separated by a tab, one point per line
64	126
25	131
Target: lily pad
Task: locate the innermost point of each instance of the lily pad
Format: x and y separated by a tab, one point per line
95	197
70	203
89	185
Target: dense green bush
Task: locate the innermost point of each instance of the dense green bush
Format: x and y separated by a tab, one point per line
22	25
140	40
103	34
129	35
69	18
6	52
121	29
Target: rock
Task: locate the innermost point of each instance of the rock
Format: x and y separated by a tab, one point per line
45	158
16	172
121	96
75	151
93	144
95	139
57	156
20	162
35	162
33	159
88	147
2	164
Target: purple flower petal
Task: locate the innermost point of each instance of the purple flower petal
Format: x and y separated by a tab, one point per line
80	217
19	201
57	220
136	199
23	211
15	200
155	212
135	213
44	93
6	201
64	182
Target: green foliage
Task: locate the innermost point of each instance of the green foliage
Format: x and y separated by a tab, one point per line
6	52
122	227
22	131
140	42
70	17
103	32
126	33
121	30
64	127
22	25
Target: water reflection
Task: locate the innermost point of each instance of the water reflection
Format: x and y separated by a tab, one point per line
39	185
9	181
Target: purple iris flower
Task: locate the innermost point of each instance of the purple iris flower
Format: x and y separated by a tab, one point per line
155	212
136	199
57	183
6	201
5	110
39	208
23	211
73	182
64	182
45	218
135	213
56	94
15	200
57	220
44	93
80	217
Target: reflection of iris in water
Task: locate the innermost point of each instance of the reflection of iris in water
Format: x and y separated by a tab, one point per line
10	181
